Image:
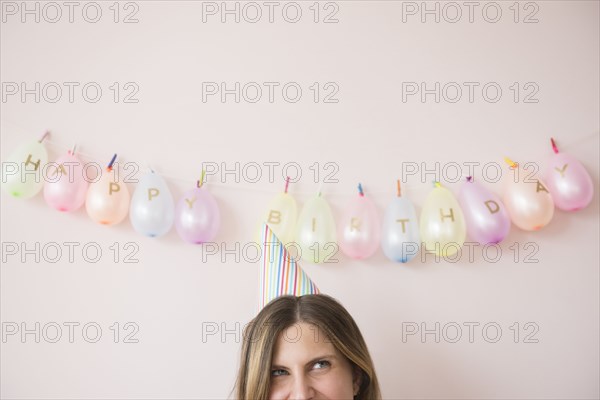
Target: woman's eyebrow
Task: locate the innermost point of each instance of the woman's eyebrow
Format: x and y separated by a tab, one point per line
327	356
312	361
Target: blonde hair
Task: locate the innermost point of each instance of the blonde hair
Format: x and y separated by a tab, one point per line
322	311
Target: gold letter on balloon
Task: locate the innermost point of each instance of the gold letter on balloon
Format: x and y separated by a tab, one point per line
190	203
562	171
487	204
113	187
451	215
403	221
274	217
28	161
540	187
60	169
152	192
354	224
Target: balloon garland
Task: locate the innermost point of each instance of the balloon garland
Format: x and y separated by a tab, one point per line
445	222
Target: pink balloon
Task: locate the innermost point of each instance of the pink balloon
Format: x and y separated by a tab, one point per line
569	183
66	187
197	216
360	230
486	217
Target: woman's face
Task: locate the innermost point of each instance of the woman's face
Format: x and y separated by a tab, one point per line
306	365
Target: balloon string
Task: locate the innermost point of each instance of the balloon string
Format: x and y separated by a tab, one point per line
72	151
554	145
112	161
360	190
43	136
287	183
511	163
201	181
398	192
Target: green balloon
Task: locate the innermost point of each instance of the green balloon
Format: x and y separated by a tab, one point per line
22	171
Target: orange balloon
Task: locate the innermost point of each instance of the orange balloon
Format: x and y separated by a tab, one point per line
107	200
528	202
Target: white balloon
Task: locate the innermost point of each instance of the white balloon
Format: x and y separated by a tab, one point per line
152	209
400	233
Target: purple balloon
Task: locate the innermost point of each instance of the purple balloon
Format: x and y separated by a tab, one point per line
197	216
569	183
486	217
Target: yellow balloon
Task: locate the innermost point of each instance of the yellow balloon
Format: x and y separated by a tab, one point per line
107	199
315	232
281	217
22	171
442	225
528	202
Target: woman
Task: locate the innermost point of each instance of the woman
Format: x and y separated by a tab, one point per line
306	347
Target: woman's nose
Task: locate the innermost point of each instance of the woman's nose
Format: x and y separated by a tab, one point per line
302	389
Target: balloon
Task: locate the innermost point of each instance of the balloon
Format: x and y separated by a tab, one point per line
197	216
281	217
360	229
21	172
107	200
569	183
66	186
152	209
315	231
443	227
486	217
529	203
400	233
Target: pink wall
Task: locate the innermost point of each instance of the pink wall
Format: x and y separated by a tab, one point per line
371	135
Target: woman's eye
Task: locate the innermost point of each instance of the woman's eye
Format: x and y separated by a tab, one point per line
322	364
278	372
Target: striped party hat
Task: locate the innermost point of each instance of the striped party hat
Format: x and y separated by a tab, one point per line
280	273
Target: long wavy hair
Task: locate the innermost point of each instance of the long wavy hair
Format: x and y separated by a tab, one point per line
324	312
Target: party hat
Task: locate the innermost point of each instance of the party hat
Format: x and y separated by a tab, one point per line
280	273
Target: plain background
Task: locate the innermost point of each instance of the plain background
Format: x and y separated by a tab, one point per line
370	135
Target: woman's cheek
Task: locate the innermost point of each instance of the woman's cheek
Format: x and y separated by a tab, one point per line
277	389
336	386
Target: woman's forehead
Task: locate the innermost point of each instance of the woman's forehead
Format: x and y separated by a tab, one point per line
303	341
